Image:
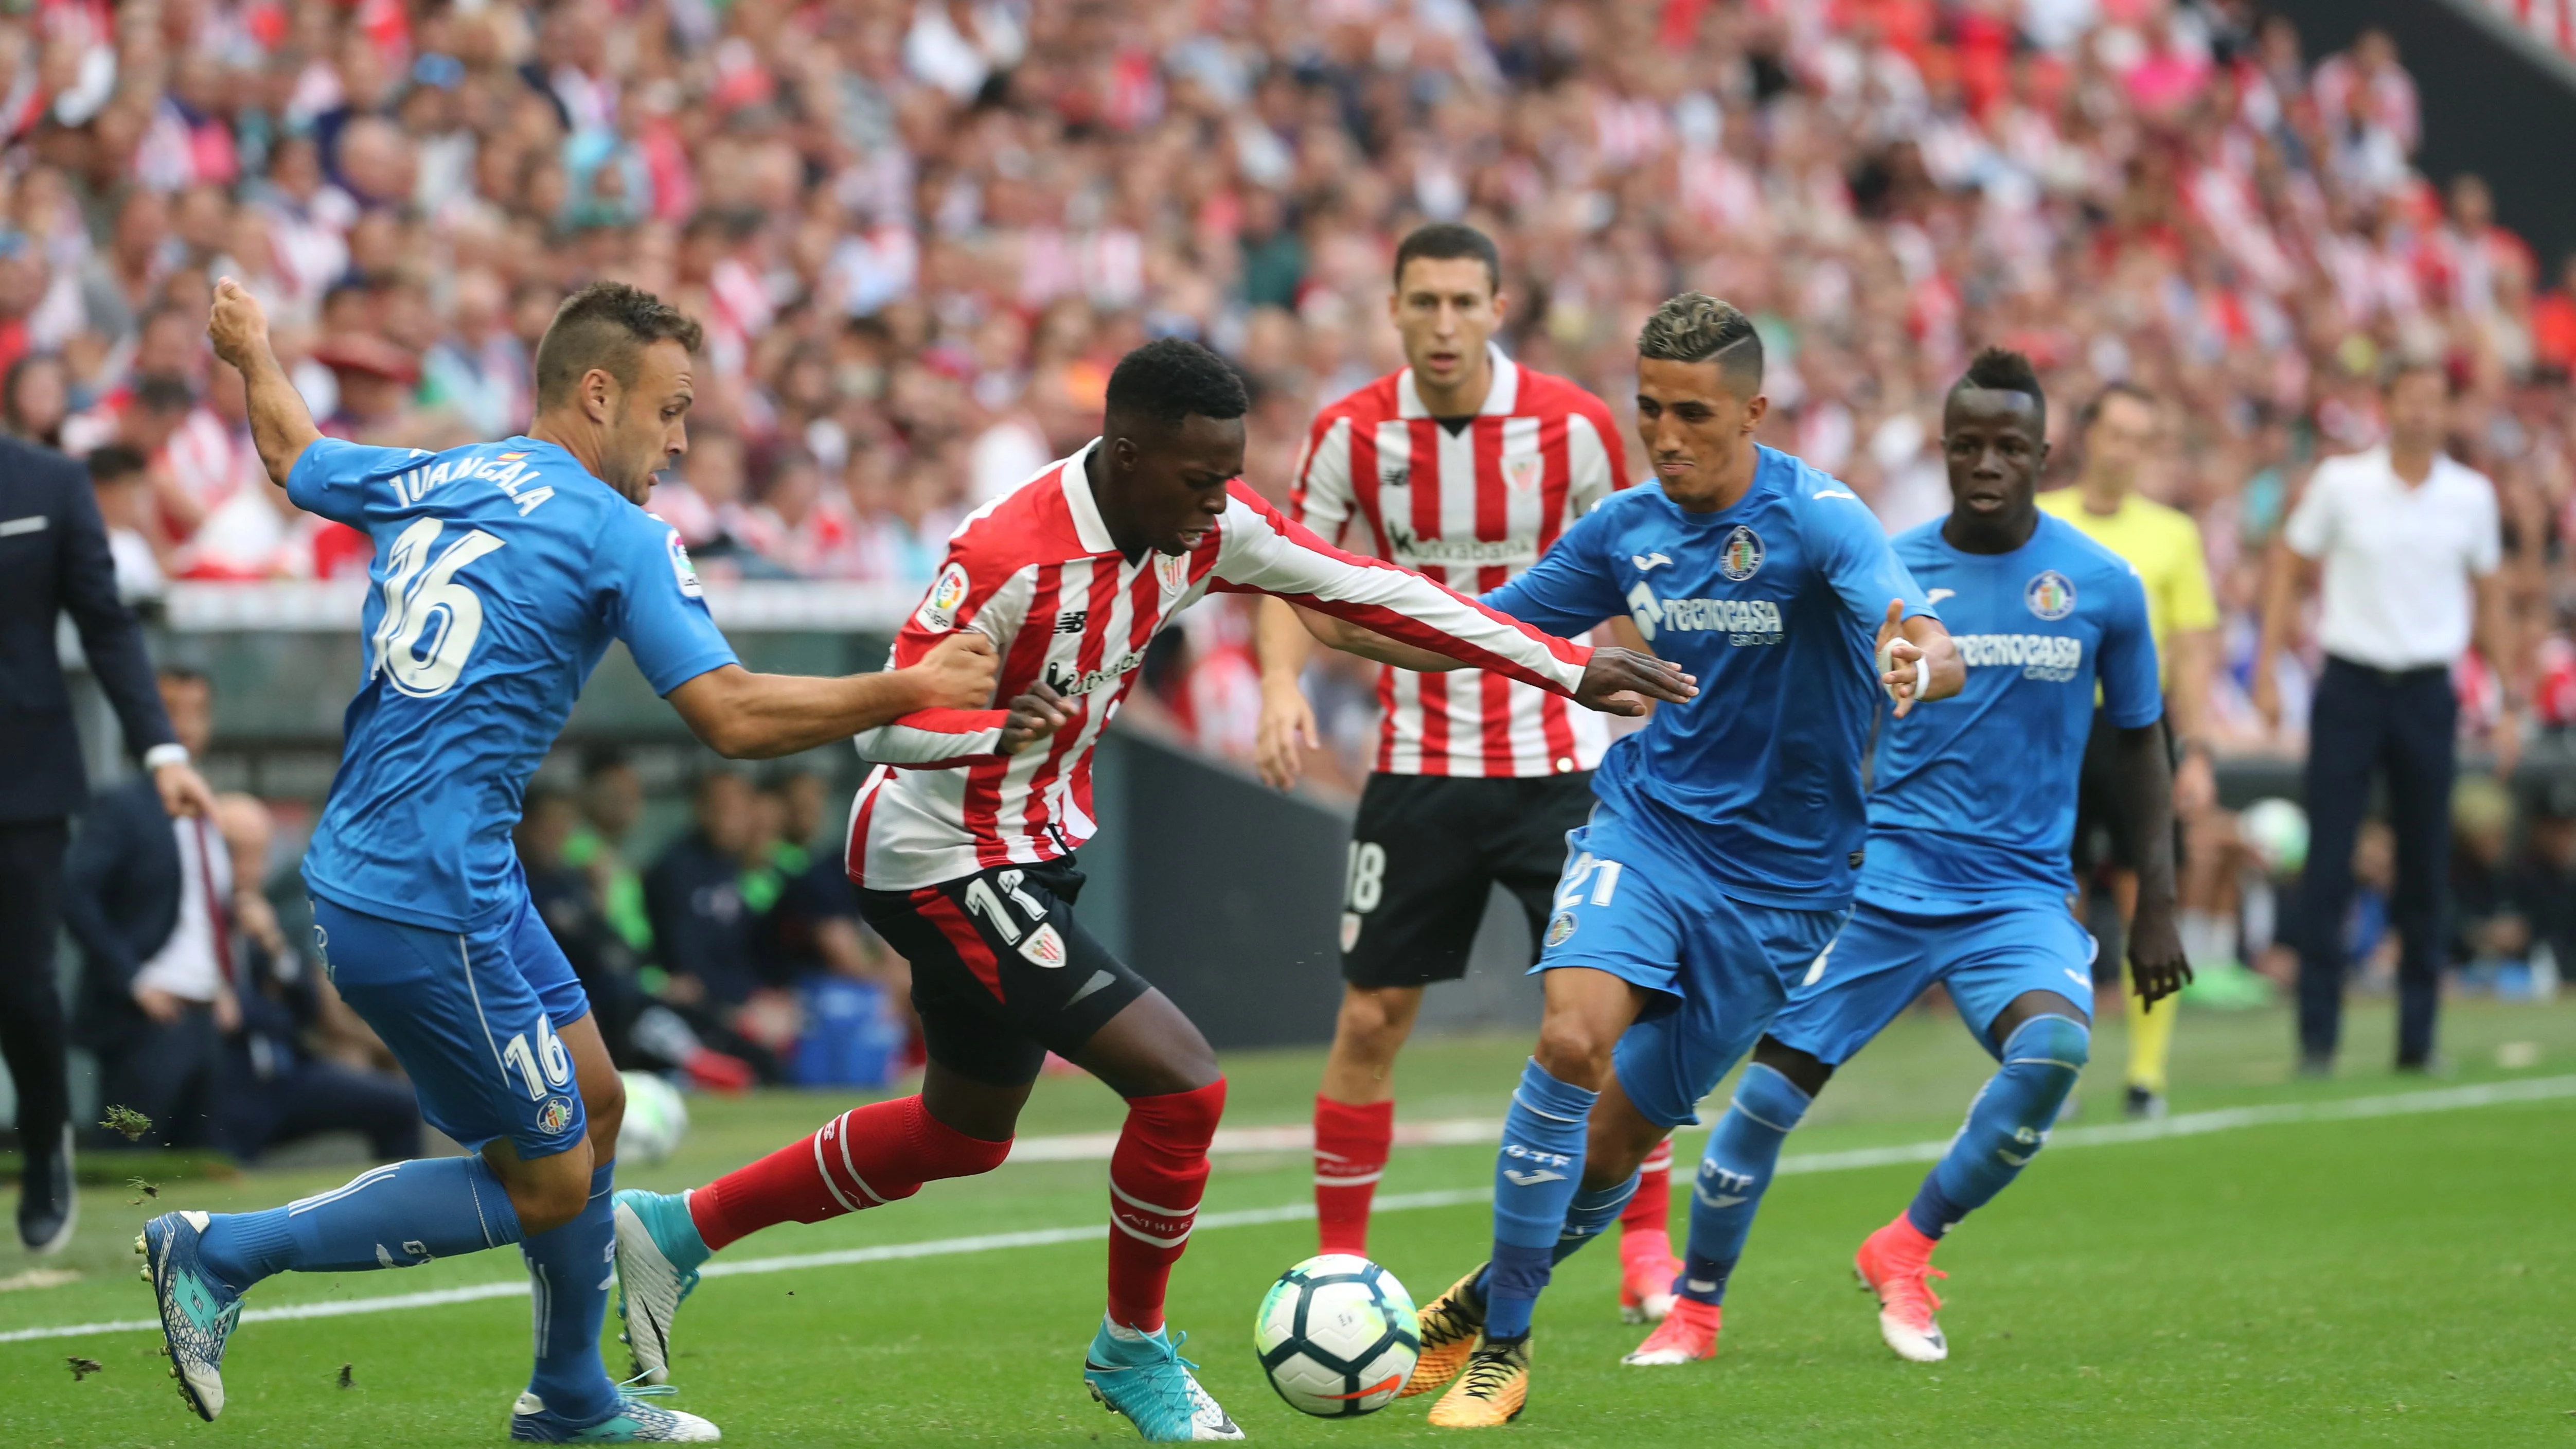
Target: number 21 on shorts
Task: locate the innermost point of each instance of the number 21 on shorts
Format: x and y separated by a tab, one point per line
1602	875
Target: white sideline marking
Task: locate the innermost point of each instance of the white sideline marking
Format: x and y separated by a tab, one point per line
2190	1124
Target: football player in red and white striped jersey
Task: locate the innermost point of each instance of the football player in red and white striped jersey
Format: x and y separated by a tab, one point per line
1466	466
961	844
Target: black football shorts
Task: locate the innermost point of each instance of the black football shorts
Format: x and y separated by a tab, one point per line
1426	853
1002	974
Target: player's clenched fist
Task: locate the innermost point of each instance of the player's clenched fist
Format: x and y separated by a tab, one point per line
1619	681
237	327
1034	716
958	672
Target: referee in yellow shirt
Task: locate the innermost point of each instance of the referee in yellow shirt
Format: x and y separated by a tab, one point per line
2118	432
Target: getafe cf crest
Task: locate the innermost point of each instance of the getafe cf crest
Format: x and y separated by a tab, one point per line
555	1115
2049	595
1560	928
1521	471
1741	558
1171	570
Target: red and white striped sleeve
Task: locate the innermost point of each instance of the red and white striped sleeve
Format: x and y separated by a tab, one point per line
1321	497
978	588
1259	552
1596	464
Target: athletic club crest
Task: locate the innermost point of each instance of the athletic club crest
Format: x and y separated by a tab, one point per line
2049	595
1522	471
1171	570
1350	929
1044	947
1741	557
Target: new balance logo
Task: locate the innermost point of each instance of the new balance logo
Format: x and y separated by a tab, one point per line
1073	621
1532	1179
1646	561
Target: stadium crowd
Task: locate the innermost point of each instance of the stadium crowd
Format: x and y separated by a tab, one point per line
920	231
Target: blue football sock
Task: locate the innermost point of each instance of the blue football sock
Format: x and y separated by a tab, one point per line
2007	1124
1535	1178
399	1215
1591	1213
1742	1152
568	1272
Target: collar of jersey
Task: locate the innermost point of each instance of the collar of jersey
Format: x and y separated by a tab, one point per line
1088	528
1500	398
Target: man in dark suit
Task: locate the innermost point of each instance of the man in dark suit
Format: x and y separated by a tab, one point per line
53	558
191	996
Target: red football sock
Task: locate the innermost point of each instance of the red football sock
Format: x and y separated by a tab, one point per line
1155	1178
1350	1155
866	1157
1644	1226
1651	1210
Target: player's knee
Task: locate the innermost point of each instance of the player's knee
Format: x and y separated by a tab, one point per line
2052	1046
1575	1052
549	1192
1374	1023
604	1102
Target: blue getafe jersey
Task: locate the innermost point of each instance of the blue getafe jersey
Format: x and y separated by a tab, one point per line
1974	796
502	570
1775	605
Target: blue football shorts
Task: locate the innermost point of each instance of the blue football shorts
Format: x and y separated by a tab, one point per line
1897	946
1720	967
471	1015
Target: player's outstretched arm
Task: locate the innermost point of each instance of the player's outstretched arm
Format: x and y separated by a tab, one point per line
1287	729
1917	660
746	716
281	427
2156	961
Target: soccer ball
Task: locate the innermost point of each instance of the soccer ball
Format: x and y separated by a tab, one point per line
2277	832
1336	1336
656	1119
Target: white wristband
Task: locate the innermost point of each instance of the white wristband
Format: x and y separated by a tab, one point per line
1922	671
173	753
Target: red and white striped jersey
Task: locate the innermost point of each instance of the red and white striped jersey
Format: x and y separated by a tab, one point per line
1470	509
1036	572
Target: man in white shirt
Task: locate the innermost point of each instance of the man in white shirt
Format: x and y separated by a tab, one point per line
151	899
2406	540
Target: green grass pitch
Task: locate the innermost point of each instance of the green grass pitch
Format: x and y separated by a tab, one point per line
2398	1279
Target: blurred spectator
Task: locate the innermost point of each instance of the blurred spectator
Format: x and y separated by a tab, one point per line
565	897
190	994
116	474
612	800
813	923
35	399
703	930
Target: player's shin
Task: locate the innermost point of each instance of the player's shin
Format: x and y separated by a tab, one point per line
568	1278
1743	1151
866	1157
1536	1176
400	1215
1351	1148
1156	1175
2007	1124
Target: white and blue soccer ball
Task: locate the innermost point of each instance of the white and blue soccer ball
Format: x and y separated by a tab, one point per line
1336	1335
656	1119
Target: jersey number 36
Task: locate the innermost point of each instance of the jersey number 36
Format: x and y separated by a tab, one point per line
431	621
